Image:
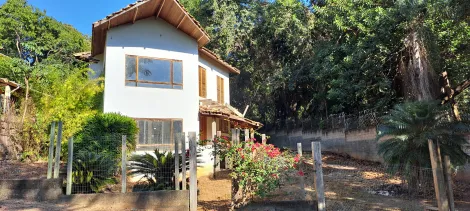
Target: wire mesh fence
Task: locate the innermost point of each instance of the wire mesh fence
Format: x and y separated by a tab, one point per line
98	165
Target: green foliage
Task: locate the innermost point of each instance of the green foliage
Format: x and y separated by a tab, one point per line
102	133
410	126
37	52
157	170
258	168
313	58
92	171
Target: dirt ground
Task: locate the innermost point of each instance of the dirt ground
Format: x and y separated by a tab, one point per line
348	185
19	170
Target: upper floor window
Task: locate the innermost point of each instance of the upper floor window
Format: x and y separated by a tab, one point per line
154	72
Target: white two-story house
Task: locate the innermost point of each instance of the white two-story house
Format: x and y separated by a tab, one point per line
158	72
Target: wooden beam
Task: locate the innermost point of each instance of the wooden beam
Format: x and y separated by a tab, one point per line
447	175
109	24
58	151
192	171
438	176
136	11
160	10
318	179
51	151
155	6
183	161
177	161
68	189
200	37
181	21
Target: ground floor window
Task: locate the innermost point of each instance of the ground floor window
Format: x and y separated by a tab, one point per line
158	132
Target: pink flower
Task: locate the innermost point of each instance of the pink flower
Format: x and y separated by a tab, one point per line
297	158
301	173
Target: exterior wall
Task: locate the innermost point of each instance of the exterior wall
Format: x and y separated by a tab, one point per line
98	68
152	38
359	144
213	70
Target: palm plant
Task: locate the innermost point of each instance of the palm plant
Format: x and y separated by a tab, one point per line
92	171
410	126
157	169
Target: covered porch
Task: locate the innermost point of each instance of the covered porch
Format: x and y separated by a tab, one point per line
215	117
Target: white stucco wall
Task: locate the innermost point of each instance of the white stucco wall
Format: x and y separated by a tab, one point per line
213	70
98	68
152	38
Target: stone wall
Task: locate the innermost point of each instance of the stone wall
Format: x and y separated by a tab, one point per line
359	144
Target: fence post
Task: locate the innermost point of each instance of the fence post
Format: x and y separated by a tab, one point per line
302	179
247	135
192	172
447	173
123	164
51	151
317	166
68	190
183	161
216	156
177	162
438	177
263	138
58	149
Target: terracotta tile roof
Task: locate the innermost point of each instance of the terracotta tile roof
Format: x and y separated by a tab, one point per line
85	56
214	57
5	82
172	11
212	108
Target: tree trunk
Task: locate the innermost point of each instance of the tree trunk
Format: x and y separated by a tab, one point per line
26	81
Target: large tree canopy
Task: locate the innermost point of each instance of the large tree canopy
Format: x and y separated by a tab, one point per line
37	52
313	58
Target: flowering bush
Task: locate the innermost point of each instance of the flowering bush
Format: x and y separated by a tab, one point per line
258	168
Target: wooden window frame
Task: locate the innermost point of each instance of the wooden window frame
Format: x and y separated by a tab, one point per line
136	81
172	138
202	86
220	90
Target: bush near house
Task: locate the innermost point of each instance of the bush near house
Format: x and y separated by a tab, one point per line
97	151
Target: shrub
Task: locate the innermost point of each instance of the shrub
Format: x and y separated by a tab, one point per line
410	126
157	170
92	171
102	133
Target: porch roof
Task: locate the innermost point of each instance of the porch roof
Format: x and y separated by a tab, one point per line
212	108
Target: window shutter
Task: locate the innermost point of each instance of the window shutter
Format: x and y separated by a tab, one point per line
202	82
204	86
218	89
222	96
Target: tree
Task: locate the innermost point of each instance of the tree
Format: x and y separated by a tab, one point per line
410	125
38	54
312	58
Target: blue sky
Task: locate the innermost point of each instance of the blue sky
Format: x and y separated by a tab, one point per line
80	14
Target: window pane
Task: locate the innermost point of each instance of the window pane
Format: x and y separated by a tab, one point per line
154	85
130	67
166	132
177	127
154	70
141	126
156	128
177	87
177	72
130	83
